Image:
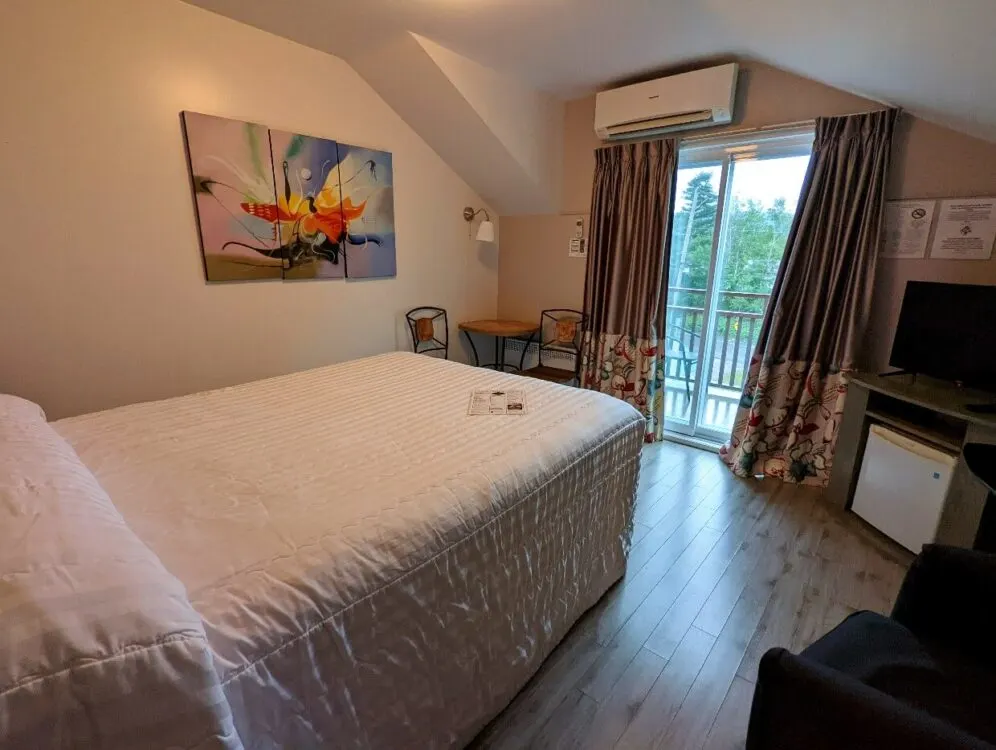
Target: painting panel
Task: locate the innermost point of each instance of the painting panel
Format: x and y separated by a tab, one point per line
367	178
232	174
311	220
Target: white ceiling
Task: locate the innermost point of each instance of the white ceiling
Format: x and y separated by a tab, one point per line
935	58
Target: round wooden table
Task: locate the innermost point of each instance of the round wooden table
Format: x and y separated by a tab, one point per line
501	330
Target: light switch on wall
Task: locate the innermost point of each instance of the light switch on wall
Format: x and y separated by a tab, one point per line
578	247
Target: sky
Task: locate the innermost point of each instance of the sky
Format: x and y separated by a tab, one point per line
763	180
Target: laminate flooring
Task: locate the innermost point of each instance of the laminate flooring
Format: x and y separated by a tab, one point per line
721	570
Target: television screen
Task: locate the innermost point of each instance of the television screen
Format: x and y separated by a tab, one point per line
948	331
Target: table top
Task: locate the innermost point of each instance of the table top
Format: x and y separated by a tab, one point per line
936	395
499	327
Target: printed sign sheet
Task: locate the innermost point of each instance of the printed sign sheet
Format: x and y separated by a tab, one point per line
966	229
907	228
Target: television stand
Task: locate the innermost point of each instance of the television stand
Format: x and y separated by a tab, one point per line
896	373
981	408
930	411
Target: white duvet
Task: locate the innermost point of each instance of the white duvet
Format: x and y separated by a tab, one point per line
369	566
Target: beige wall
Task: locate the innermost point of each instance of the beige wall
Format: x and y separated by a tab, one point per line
102	294
929	161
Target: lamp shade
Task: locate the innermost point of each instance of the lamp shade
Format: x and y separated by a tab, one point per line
486	232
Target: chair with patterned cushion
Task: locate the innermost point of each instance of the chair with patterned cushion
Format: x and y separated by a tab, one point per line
558	336
430	330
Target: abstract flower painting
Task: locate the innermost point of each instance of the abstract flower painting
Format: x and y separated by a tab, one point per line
367	179
310	214
274	204
232	173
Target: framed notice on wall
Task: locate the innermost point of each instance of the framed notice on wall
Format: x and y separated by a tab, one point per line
966	229
907	228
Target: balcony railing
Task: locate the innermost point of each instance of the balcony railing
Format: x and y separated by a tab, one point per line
738	327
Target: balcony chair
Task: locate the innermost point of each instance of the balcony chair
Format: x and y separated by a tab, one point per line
675	350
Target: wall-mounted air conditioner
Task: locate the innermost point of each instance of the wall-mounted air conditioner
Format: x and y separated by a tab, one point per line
690	100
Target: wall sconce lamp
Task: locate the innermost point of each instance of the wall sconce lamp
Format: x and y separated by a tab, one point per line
486	231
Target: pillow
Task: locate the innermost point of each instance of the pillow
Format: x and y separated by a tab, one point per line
12	407
99	645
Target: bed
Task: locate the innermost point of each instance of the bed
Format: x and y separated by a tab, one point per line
335	558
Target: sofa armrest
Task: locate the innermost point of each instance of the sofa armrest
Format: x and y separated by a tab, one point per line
949	597
800	703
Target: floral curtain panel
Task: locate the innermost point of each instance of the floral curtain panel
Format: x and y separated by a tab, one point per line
626	278
630	369
787	422
793	397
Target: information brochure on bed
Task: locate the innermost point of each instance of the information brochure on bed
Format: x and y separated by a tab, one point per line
497	402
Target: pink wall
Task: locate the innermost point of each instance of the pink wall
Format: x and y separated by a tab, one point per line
929	162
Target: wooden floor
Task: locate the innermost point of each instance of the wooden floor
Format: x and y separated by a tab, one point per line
721	570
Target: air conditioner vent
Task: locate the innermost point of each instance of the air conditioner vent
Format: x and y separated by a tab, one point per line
690	100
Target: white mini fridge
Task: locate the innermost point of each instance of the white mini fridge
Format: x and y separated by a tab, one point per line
901	487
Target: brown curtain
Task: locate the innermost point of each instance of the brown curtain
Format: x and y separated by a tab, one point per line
626	283
794	392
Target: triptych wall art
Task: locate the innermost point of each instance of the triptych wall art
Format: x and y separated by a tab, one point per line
274	205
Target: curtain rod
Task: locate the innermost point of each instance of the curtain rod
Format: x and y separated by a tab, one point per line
745	131
779	126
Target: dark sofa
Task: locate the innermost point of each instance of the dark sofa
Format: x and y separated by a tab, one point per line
923	679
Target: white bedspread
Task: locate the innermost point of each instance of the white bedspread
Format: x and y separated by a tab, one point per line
373	567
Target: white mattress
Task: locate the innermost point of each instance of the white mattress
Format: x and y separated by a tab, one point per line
374	567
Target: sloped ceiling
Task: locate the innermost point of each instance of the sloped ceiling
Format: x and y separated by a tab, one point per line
935	59
469	114
503	137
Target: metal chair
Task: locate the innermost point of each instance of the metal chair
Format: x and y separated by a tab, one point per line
559	332
428	334
675	350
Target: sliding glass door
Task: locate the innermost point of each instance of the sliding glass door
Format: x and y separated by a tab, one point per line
735	203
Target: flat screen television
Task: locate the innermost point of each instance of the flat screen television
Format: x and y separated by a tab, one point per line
948	331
